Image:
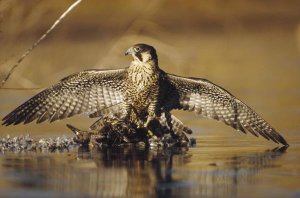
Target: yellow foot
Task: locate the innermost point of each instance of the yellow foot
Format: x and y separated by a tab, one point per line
150	133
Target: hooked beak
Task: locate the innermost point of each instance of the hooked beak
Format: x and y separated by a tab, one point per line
129	51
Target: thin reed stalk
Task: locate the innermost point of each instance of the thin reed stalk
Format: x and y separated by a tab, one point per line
28	51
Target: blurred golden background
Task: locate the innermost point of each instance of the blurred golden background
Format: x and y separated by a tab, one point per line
210	39
251	48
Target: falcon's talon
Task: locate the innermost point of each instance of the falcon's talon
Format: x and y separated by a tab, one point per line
150	133
141	88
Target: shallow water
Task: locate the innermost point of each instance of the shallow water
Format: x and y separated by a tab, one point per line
206	170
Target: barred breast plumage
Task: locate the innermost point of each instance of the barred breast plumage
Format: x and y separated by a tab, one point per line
144	90
142	85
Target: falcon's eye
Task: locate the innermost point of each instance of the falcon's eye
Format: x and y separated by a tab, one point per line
137	49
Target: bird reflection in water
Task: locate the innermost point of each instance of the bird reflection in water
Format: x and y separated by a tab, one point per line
132	172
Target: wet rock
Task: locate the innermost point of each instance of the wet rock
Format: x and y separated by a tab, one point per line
26	143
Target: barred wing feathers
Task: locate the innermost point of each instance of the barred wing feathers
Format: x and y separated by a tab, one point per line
212	101
83	92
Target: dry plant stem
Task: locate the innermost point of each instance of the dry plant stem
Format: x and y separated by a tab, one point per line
38	41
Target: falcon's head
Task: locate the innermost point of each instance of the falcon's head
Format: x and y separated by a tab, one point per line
142	53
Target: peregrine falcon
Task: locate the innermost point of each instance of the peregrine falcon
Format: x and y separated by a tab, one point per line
141	90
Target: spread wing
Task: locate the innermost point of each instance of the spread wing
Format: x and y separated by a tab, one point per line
83	92
212	101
